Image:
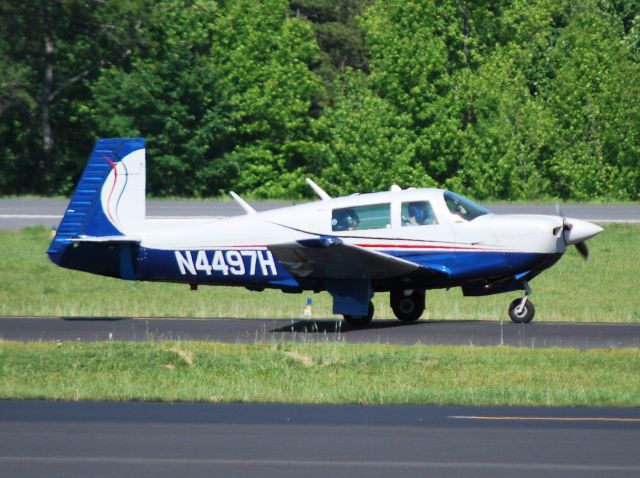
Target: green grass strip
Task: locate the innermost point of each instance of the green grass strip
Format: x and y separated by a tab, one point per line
604	289
319	373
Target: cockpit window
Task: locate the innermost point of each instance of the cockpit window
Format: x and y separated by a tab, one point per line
417	213
463	207
374	216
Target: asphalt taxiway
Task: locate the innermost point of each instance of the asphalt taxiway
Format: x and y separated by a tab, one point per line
533	335
44	439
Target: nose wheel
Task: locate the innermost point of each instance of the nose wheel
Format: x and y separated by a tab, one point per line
522	311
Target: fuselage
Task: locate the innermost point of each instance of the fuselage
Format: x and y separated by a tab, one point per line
234	251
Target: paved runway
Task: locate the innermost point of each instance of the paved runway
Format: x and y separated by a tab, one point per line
270	330
45	439
19	213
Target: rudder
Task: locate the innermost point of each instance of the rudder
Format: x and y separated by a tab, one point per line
109	199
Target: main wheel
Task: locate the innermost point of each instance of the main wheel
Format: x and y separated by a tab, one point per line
407	308
360	320
523	316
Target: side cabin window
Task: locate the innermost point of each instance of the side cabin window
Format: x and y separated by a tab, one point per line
374	216
418	213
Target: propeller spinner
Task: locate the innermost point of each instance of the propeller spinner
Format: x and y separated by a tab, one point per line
576	232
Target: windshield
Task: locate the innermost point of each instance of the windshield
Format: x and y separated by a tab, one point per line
463	207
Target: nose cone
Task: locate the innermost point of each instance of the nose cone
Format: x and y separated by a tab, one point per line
580	231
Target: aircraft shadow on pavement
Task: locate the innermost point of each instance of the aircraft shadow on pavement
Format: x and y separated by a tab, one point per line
329	326
95	319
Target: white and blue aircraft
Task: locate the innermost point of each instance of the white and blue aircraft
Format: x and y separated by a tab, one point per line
401	241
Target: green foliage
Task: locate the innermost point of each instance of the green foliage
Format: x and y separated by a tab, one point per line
168	96
340	38
82	38
368	143
263	60
510	100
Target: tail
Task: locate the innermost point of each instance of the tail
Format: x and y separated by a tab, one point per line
106	208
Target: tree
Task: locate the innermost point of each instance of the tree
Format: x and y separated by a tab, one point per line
421	53
57	46
593	94
340	38
263	61
168	95
368	143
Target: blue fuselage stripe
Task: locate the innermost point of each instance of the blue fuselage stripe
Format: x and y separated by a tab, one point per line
260	267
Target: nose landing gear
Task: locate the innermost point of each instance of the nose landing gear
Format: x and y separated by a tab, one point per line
522	311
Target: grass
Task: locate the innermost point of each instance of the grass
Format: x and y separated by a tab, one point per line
319	373
604	289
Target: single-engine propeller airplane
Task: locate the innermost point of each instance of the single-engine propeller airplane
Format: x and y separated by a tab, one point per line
401	241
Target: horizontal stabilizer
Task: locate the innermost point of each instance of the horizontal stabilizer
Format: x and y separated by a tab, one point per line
133	239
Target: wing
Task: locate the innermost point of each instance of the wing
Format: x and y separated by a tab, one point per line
329	258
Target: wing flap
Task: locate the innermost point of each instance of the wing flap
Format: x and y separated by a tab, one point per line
330	258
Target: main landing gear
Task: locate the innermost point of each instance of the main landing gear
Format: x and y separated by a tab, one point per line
360	320
522	311
407	305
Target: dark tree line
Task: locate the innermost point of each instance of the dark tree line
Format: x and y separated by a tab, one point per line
500	99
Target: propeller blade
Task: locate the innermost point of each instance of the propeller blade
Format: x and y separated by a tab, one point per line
566	225
582	249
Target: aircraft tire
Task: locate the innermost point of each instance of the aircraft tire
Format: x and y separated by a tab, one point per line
526	315
360	320
407	308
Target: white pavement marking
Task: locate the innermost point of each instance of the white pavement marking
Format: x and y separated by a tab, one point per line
614	221
30	216
546	419
474	465
55	216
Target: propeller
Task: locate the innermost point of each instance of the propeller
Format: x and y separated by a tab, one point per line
575	237
583	250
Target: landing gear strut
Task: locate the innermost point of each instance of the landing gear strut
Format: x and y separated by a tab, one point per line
360	320
407	307
522	311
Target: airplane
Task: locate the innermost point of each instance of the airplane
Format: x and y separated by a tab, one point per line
402	241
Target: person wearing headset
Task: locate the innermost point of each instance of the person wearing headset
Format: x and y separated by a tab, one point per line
420	214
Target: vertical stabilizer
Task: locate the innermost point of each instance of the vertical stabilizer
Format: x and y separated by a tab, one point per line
109	199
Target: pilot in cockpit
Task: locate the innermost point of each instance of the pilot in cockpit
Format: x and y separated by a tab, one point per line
345	220
420	214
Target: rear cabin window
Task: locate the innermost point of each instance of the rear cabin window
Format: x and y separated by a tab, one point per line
418	213
374	216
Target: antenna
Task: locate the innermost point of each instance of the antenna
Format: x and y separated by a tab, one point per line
244	204
317	189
